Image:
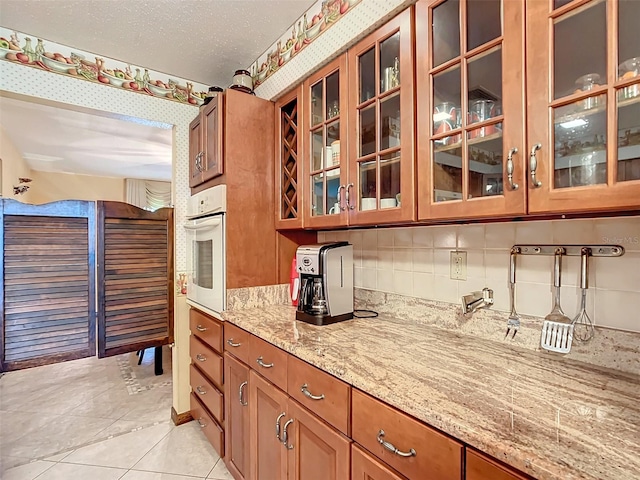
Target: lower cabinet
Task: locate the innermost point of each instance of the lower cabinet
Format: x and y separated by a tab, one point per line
482	467
267	410
366	467
236	416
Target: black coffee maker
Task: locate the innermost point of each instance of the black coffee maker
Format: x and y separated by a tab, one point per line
326	282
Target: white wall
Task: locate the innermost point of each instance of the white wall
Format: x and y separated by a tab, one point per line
13	166
415	261
51	187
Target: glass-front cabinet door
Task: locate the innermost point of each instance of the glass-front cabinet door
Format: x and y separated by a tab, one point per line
325	146
381	111
470	69
289	148
583	81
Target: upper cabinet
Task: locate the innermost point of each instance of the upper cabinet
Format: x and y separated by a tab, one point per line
288	154
206	143
325	128
583	95
381	125
470	108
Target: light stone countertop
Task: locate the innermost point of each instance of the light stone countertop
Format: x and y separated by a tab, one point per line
551	417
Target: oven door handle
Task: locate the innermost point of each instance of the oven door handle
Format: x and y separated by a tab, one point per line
208	224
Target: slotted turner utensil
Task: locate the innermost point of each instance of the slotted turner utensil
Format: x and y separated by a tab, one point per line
557	329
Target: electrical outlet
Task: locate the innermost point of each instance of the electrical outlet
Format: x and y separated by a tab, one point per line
458	265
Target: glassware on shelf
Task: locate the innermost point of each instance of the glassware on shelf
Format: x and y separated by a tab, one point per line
586	83
334	109
627	70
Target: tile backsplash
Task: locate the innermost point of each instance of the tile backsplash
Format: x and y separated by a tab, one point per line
415	261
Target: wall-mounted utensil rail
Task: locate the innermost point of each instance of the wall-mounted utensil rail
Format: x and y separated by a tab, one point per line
570	250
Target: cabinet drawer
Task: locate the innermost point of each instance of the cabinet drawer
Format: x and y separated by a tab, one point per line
481	467
208	329
366	467
236	342
268	361
207	360
326	396
213	431
437	456
209	395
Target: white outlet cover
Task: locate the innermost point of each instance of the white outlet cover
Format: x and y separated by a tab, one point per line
458	269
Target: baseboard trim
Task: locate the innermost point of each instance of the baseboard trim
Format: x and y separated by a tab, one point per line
180	418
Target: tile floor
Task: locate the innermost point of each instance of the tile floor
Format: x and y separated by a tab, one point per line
104	419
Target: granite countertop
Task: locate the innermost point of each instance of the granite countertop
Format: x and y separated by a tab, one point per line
552	417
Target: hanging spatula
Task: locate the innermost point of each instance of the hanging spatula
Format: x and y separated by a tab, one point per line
557	329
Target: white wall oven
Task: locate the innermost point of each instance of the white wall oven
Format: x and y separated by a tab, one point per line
205	228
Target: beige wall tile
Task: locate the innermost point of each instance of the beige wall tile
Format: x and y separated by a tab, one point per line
445	289
385	259
423	260
623	231
496	265
442	262
534	269
355	238
370	278
533	298
385	280
370	258
574	231
471	236
423	285
444	236
620	273
402	237
534	232
403	283
500	235
385	237
475	264
402	259
369	239
422	236
358	277
617	309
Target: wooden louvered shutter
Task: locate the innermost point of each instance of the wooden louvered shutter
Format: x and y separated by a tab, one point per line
135	278
47	281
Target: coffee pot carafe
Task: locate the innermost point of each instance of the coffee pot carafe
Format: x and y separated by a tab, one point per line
326	282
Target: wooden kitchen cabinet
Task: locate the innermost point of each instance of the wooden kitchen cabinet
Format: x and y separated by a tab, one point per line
316	451
482	467
267	412
366	467
288	155
206	143
470	108
381	176
583	96
237	417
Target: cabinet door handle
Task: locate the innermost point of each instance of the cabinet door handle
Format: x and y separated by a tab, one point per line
241	394
200	328
392	448
201	358
512	152
285	435
308	394
231	344
202	425
340	188
200	390
533	165
347	195
278	426
262	364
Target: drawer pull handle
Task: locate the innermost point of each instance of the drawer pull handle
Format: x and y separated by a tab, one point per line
392	448
200	328
231	344
512	152
241	394
285	435
201	358
278	426
202	425
262	364
200	390
533	166
308	394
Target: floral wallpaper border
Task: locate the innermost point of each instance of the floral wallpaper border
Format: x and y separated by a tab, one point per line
21	48
316	20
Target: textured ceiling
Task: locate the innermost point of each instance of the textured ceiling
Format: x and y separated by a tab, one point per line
200	40
53	139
